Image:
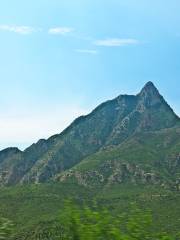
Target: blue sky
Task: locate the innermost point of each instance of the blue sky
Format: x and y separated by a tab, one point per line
61	58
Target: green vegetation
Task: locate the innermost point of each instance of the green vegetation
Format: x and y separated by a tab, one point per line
36	210
99	224
6	229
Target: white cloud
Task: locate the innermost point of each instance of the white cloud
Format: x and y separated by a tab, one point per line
116	42
22	128
60	30
18	29
88	51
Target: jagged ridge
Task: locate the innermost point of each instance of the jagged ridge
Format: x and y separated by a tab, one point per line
110	124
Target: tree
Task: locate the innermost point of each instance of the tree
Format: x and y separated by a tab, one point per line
100	224
6	228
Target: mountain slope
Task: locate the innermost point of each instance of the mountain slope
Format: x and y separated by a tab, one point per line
145	158
110	124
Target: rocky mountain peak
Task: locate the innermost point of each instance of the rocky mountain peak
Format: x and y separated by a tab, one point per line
150	96
149	90
149	85
10	150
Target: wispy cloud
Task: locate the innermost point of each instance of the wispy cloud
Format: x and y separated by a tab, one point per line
60	30
116	42
18	29
88	51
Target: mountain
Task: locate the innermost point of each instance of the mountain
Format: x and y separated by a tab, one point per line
126	150
130	138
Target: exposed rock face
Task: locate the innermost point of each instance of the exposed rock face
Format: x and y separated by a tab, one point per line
109	125
109	173
150	96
